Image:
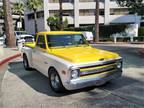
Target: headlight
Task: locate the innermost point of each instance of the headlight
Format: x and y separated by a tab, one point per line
119	65
75	73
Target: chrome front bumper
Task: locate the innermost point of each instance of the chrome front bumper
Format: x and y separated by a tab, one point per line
96	80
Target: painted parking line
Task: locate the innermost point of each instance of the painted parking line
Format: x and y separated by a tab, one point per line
9	58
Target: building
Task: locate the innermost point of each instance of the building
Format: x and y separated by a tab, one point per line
80	13
15	16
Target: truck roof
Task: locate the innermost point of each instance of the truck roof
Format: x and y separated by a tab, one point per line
59	32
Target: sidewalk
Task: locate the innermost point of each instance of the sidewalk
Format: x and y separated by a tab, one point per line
7	54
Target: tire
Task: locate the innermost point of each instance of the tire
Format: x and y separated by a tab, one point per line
55	81
25	62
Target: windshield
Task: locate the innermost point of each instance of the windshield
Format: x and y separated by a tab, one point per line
21	33
66	40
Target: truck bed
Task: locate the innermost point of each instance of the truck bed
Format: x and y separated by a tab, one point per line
30	44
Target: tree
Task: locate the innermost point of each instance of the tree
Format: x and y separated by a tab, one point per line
2	17
34	5
1	12
18	8
55	24
135	6
61	15
9	29
96	38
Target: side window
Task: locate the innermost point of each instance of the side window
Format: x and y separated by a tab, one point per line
41	42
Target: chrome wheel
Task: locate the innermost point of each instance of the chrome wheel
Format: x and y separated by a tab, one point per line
55	80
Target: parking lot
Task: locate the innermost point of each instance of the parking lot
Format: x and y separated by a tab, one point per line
30	89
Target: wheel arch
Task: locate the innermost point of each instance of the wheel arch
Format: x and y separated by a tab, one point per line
52	67
24	54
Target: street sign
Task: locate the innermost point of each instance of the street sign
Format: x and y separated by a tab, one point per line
19	25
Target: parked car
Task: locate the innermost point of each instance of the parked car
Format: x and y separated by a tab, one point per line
24	38
19	33
69	61
88	35
2	40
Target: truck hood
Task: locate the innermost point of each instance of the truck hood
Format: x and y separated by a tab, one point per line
83	54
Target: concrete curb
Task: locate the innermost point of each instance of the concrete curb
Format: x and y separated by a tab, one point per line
9	58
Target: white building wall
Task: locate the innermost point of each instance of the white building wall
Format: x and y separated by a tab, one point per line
76	20
55	6
107	12
46	15
76	13
90	19
90	5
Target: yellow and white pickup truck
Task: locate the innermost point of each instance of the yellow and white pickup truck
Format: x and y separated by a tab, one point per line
69	61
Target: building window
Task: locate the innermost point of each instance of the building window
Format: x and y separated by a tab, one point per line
57	1
87	0
30	16
122	11
90	12
65	12
40	14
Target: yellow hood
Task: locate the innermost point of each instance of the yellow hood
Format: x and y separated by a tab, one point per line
83	54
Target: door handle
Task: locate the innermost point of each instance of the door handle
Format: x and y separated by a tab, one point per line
45	62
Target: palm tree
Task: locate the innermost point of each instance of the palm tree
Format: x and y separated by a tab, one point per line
10	38
96	39
1	13
34	5
18	8
61	14
2	17
54	22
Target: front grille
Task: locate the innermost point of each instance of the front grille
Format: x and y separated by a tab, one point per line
95	69
102	64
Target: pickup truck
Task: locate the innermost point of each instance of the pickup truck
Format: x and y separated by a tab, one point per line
69	61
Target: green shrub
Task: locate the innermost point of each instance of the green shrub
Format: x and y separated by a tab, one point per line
139	38
141	31
107	30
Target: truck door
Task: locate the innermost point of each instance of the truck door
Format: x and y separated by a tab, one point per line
39	53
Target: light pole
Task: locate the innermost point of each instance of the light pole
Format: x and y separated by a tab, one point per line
96	39
61	15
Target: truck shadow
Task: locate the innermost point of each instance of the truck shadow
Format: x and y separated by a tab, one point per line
40	83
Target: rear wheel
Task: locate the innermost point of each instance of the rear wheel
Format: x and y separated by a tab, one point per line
25	62
55	81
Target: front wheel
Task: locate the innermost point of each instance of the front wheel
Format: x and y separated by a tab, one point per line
55	81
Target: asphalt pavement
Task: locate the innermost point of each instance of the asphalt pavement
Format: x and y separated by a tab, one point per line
30	89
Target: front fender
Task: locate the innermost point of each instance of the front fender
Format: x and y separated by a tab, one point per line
28	52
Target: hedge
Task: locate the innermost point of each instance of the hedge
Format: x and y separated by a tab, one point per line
141	31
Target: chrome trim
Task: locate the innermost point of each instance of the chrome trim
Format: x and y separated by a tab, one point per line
98	63
96	71
92	81
72	68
